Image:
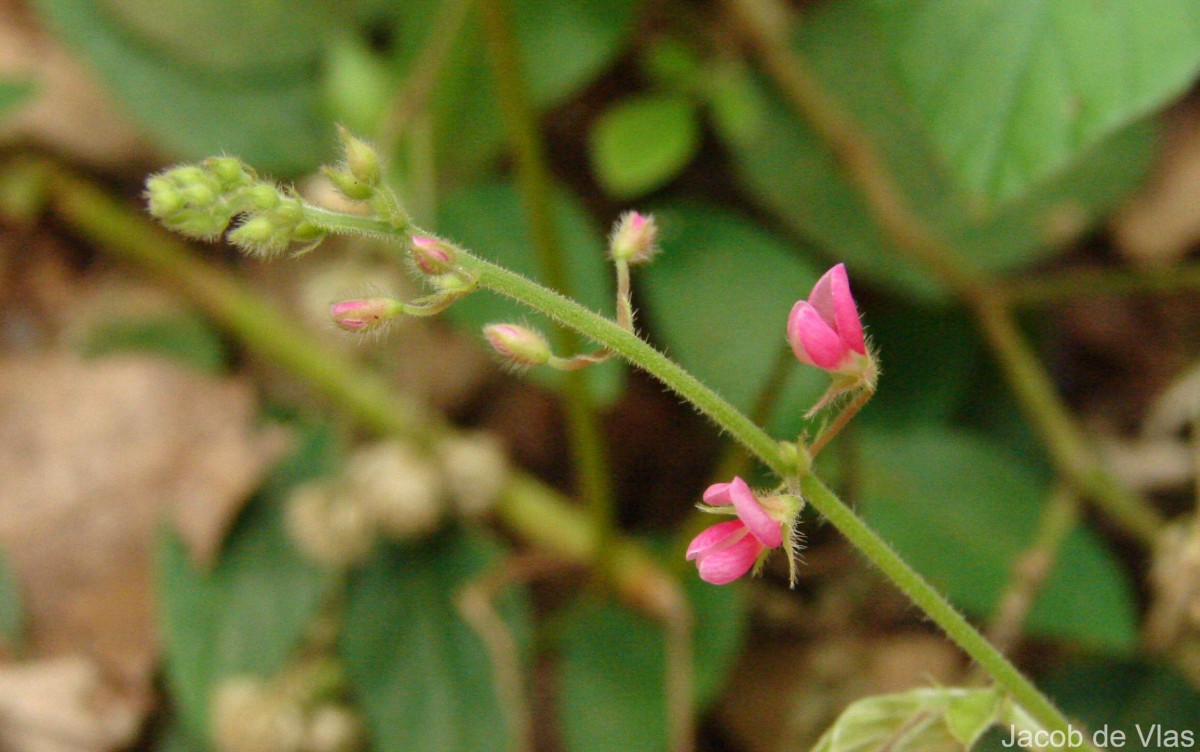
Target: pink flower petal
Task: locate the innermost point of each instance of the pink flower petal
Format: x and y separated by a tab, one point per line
845	310
834	302
727	564
718	495
813	341
749	511
716	537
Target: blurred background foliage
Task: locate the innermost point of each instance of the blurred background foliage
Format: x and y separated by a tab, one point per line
1030	136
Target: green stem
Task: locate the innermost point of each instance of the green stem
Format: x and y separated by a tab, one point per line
772	454
534	184
1071	453
1082	283
533	511
934	605
858	403
634	349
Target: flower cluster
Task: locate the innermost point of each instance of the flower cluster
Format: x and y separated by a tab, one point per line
824	331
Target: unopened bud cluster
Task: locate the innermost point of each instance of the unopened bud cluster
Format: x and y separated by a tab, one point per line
291	713
395	490
204	199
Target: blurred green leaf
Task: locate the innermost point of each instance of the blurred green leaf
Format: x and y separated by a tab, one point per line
489	220
672	63
929	358
422	675
791	171
211	78
12	619
937	718
641	143
12	94
1012	92
719	297
734	99
1122	693
249	613
566	43
960	508
358	84
184	339
612	669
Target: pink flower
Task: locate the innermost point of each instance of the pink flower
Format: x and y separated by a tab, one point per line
825	330
728	550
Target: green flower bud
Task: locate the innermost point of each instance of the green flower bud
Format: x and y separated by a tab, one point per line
348	185
361	159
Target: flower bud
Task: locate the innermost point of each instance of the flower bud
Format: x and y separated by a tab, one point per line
517	344
634	238
331	528
348	185
475	470
334	728
361	159
364	314
229	171
249	716
431	255
399	487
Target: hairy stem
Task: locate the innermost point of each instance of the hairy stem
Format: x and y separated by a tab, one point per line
534	184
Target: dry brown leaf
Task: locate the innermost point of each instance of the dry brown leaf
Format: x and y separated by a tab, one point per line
784	696
92	455
1160	223
69	112
62	705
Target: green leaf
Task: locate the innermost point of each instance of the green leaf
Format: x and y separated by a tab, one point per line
249	613
566	43
612	669
12	94
937	718
210	80
928	355
641	143
793	174
1120	693
489	220
960	508
422	675
1012	92
12	619
719	297
185	339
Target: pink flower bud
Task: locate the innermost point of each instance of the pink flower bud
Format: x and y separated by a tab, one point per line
517	344
634	238
364	314
431	255
724	552
825	330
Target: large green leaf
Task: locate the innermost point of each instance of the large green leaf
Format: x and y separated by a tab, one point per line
12	620
960	508
936	719
13	93
791	171
719	297
612	669
1011	92
248	614
1124	693
489	220
262	103
642	143
421	674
